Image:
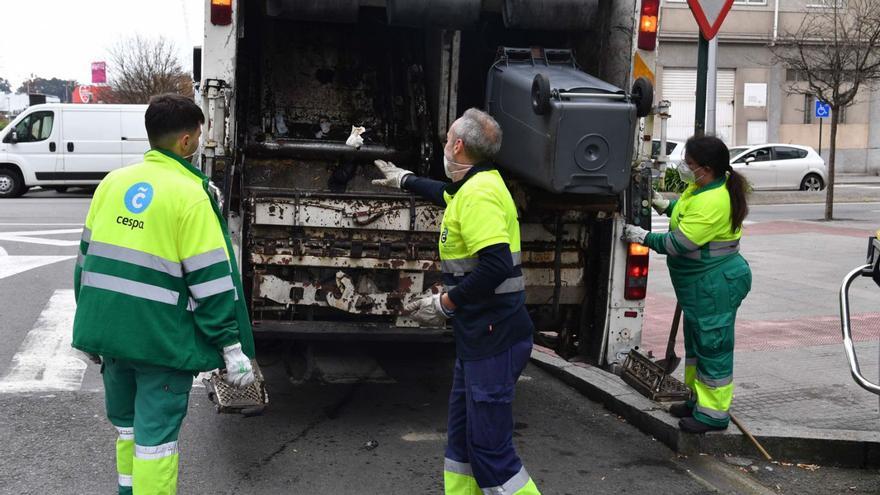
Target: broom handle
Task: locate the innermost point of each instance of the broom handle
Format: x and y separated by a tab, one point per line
752	439
673	332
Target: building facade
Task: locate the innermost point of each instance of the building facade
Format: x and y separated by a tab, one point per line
755	101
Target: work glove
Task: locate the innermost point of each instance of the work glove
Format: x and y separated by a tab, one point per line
393	174
633	233
660	203
239	372
355	140
428	310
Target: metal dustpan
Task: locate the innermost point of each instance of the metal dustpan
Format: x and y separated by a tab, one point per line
650	379
248	401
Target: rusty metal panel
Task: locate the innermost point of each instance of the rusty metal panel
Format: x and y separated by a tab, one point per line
347	214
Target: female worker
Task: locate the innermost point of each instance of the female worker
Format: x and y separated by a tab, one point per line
709	275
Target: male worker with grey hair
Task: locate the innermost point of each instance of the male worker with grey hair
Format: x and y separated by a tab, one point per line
485	295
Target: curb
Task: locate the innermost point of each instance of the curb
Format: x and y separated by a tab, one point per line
844	448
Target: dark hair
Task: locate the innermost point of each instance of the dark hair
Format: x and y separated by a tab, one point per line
169	114
711	152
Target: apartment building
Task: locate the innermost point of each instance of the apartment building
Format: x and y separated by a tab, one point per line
754	102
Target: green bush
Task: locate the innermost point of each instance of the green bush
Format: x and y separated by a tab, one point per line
672	182
3	123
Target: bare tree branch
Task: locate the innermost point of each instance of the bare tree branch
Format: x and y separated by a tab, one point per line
142	67
835	51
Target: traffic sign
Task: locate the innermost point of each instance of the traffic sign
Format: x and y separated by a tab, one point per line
709	15
823	110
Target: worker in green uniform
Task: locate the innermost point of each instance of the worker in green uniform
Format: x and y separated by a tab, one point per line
708	273
159	295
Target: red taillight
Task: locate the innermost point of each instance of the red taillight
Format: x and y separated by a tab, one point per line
636	272
648	24
221	12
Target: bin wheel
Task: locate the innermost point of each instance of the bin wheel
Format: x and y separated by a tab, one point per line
541	94
642	96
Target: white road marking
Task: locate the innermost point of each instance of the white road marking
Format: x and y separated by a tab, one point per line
5	224
3	252
424	437
29	237
45	361
12	265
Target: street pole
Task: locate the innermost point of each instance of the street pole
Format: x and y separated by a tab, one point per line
711	91
820	135
702	70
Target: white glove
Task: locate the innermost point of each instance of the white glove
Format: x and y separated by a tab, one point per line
355	140
239	372
393	174
660	203
427	310
633	233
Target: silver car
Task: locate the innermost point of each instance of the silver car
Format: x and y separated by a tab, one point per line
780	166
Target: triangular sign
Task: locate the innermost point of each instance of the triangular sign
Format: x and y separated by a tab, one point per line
709	15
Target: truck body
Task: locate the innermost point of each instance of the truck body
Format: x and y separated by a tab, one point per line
325	254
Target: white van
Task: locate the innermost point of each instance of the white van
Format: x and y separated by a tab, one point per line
60	145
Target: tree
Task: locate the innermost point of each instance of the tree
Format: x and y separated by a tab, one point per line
141	67
62	88
5	87
835	51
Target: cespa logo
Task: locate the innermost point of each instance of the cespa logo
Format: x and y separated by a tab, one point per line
138	197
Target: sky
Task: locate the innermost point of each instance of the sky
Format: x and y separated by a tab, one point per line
61	38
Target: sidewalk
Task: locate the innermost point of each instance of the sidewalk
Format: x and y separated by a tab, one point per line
793	385
848	178
850	188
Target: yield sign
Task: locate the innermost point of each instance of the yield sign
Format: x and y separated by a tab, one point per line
709	15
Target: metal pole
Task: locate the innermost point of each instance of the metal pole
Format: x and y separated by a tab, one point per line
820	135
702	69
711	78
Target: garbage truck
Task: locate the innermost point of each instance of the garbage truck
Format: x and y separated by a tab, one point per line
328	257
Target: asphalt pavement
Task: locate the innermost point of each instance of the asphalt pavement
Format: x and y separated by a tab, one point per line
384	434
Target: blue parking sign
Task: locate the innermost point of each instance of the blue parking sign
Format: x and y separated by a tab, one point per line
823	110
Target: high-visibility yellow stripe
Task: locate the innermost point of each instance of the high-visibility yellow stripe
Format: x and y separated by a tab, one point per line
156	476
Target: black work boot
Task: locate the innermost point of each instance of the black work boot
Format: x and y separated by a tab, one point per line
692	425
681	410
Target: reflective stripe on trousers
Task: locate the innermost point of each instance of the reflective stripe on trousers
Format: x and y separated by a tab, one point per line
693	251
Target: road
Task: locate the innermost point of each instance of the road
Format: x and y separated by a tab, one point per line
314	437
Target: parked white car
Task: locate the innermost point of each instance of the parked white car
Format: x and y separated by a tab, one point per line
674	152
60	145
780	166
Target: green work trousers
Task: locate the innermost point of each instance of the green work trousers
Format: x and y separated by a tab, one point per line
709	306
147	405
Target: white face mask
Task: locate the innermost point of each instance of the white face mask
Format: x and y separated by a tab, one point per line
196	153
687	175
454	170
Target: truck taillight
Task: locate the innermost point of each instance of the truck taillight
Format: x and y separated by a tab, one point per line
636	272
221	12
648	24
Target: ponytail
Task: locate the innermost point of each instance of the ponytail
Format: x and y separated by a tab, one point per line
711	152
739	208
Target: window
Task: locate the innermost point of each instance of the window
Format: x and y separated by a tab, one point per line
786	153
655	148
736	151
826	4
759	155
808	109
35	127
